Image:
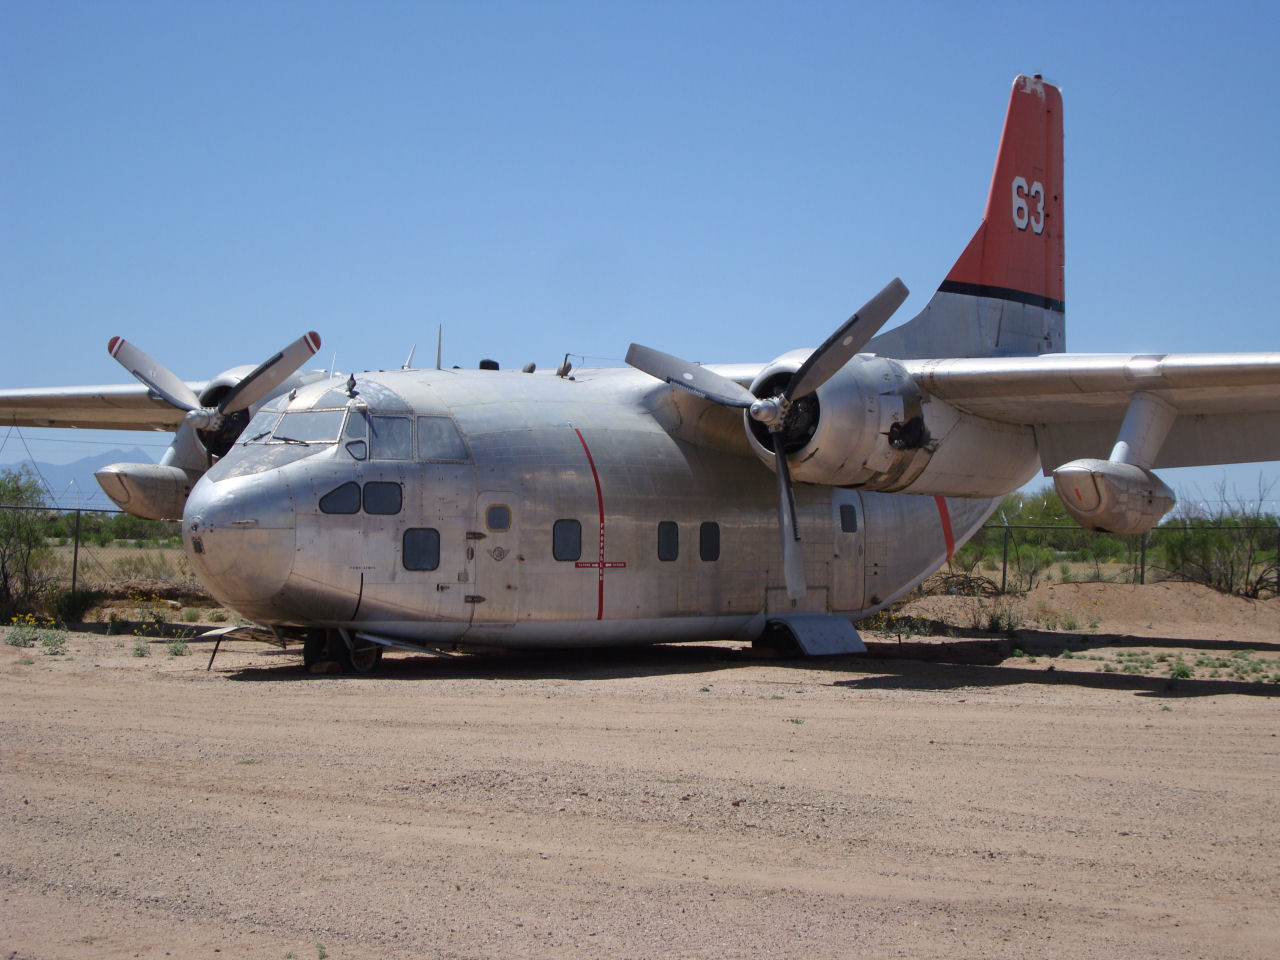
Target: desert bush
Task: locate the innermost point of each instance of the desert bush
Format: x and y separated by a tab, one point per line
71	605
23	551
1232	549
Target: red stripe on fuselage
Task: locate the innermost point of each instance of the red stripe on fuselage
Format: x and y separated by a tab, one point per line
948	534
599	503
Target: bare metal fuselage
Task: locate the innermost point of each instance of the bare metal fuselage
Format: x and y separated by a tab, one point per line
583	511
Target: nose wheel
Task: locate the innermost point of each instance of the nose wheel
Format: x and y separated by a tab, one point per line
351	654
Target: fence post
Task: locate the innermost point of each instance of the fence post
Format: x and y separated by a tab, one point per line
75	553
1004	563
1142	553
1278	558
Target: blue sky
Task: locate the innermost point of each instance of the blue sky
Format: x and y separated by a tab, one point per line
726	181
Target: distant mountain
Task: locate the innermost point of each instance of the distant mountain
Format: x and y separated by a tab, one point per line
72	485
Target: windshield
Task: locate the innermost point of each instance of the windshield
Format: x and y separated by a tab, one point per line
260	427
309	426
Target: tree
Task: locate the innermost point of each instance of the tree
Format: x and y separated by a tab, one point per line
22	544
1232	549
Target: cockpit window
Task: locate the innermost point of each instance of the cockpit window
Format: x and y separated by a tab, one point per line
438	439
264	421
390	438
260	427
309	426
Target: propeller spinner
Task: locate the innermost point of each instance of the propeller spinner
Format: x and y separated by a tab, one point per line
773	411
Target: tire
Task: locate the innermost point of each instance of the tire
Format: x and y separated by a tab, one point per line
364	659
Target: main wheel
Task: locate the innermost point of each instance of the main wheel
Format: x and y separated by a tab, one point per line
365	656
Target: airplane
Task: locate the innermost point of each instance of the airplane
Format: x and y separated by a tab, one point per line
666	500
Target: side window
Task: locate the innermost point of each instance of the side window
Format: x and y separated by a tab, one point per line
354	436
709	541
421	549
438	439
343	499
498	518
381	497
668	540
566	540
848	518
390	438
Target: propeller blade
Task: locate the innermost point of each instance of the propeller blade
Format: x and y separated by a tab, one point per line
699	381
152	375
792	555
270	374
843	345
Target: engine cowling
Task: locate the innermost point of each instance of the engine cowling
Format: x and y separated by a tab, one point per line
863	427
219	441
1112	497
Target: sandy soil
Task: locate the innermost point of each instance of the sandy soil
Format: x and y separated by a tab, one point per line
688	801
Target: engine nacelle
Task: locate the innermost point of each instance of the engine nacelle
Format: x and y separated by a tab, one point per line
147	490
1111	496
863	427
219	441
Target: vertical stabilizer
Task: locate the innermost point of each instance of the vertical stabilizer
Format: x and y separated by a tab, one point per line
1004	296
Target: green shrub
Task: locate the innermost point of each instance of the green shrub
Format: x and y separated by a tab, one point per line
71	605
22	635
54	642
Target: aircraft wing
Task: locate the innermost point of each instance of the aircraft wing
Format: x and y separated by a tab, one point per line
1228	404
112	407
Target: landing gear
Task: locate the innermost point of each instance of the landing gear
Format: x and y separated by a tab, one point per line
323	647
362	656
314	648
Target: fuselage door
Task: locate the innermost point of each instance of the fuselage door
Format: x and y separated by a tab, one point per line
846	550
495	545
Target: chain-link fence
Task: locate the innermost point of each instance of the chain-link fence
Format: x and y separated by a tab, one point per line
94	549
1012	558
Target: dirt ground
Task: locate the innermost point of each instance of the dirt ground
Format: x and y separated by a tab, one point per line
973	795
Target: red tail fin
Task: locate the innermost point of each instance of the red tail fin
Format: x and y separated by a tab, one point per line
1017	253
1004	296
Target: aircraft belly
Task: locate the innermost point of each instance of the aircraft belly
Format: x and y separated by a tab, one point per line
908	537
554	634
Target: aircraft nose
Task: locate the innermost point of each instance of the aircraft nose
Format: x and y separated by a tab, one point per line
239	535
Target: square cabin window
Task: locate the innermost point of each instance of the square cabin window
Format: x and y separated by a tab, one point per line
709	541
848	518
566	540
668	540
421	549
382	498
498	518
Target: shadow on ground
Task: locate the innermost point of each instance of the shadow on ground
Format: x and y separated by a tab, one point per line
887	665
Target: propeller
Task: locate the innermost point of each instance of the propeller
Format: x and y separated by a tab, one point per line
253	387
776	411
